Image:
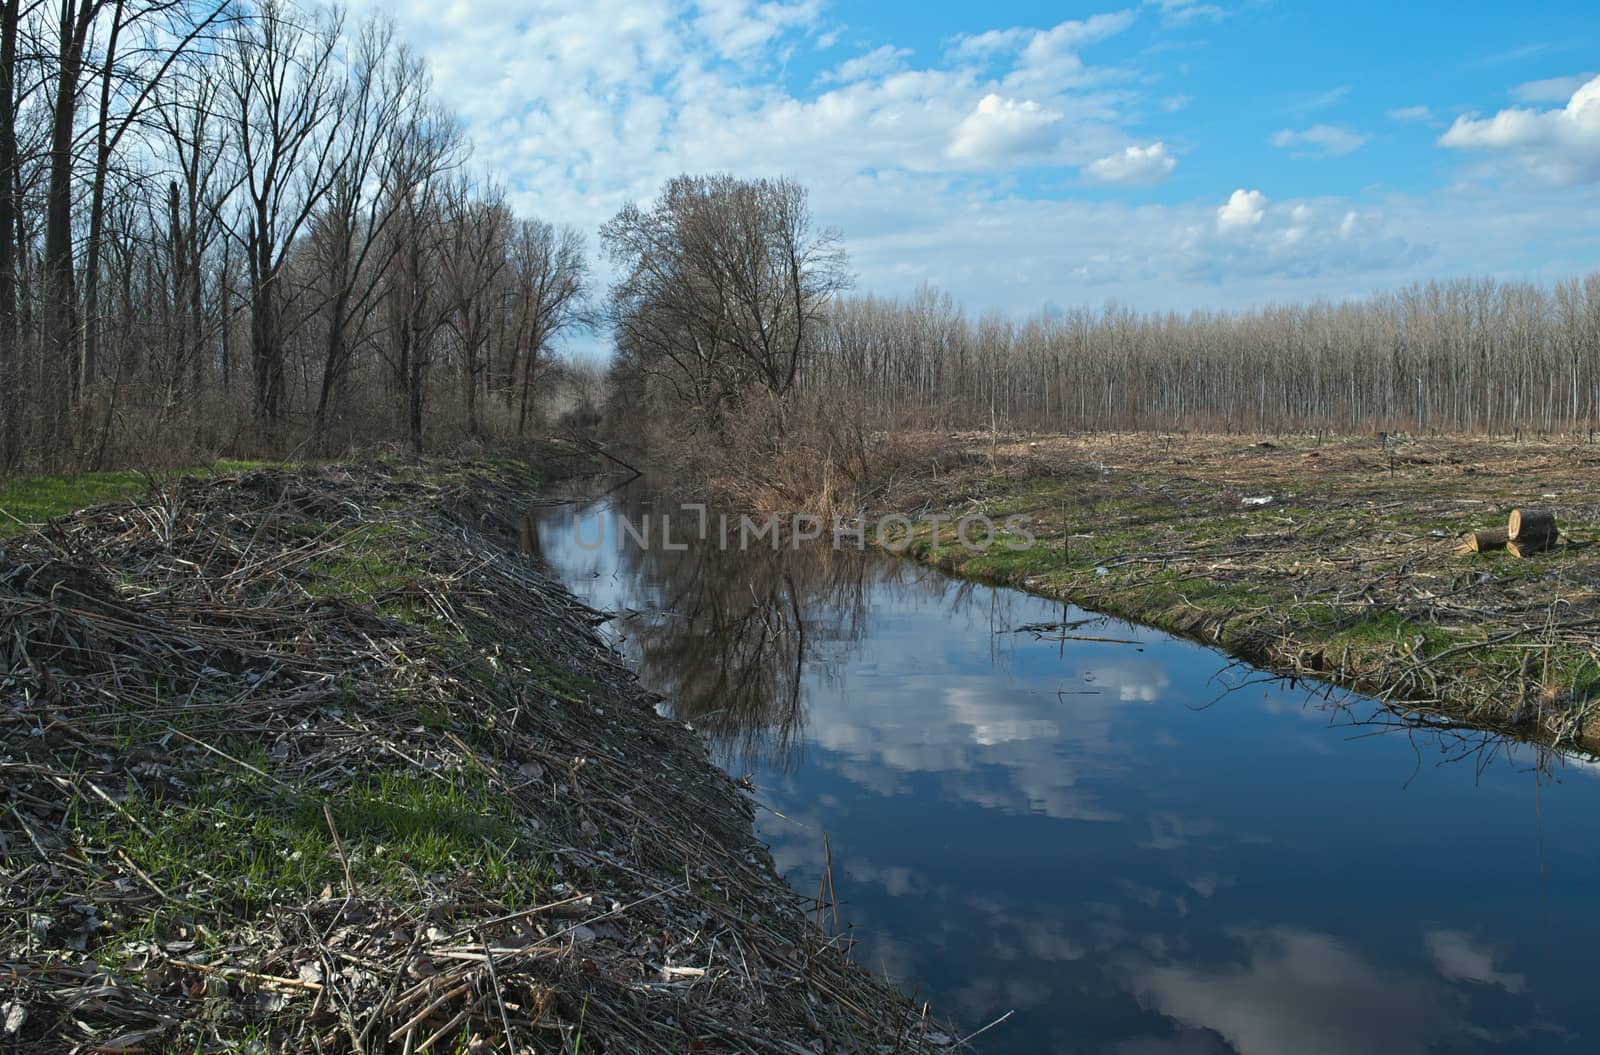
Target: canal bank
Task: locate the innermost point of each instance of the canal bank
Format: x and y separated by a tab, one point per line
1332	560
317	759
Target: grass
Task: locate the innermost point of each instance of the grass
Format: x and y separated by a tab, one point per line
1163	597
374	563
27	501
565	684
260	841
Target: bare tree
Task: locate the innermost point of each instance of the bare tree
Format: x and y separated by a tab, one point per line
416	309
474	259
551	274
722	283
1463	356
383	120
284	97
169	28
10	396
181	178
73	23
198	148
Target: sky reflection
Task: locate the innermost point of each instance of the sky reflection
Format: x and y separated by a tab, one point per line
1138	848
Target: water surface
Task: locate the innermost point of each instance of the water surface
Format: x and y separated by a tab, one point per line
1137	848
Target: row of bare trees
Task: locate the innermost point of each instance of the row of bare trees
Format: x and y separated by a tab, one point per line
1462	357
732	329
246	225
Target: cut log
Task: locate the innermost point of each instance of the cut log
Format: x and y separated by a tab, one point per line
1529	546
1483	541
1536	526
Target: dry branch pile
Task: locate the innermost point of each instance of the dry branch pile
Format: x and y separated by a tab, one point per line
305	761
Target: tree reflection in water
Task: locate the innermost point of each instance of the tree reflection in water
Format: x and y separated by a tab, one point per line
728	636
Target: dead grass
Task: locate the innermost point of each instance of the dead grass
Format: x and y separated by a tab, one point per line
29	501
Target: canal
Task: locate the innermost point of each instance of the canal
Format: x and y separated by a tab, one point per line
1125	839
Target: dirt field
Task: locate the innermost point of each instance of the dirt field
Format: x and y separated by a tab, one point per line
1329	559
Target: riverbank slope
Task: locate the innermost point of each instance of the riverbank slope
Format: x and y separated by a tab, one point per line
316	759
1328	560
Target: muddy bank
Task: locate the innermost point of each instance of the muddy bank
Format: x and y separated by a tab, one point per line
317	760
1331	561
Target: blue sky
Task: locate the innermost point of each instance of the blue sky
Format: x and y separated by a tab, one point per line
1172	154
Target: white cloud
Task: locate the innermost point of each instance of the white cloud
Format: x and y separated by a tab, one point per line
594	102
1309	241
1559	146
1410	113
1182	12
875	63
1133	166
1320	100
999	129
1551	89
1323	140
991	42
738	29
1043	60
1461	959
1043	45
1048	48
1244	209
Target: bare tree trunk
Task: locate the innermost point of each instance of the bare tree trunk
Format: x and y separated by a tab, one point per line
194	280
97	198
225	336
535	341
266	344
10	401
334	366
60	314
414	397
469	377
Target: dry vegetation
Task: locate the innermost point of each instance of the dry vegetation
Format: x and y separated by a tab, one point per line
1464	356
1346	573
317	761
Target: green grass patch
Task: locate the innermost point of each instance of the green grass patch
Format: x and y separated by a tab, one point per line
27	501
568	685
371	564
247	841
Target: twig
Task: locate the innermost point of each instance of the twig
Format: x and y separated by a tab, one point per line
338	845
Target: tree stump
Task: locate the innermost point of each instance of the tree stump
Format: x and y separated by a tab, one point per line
1533	526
